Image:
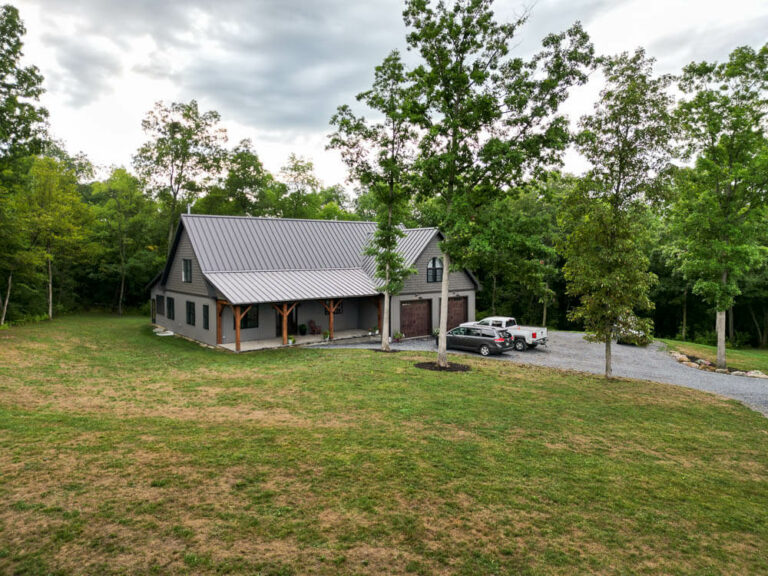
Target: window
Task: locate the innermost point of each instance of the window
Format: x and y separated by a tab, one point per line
339	308
186	270
435	270
190	313
160	300
250	320
171	308
205	316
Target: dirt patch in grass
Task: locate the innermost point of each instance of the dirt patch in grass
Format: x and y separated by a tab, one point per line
452	367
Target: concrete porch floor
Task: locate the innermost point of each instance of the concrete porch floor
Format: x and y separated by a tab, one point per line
268	343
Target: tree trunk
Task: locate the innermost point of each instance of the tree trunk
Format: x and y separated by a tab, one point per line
685	310
385	321
764	340
442	344
493	297
720	326
7	297
757	325
608	366
544	314
50	288
730	324
122	294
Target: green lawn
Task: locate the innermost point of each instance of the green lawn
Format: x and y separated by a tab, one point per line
746	360
125	453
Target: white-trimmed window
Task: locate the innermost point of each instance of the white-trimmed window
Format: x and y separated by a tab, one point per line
186	270
435	270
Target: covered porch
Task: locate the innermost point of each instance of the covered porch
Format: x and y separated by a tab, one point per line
267	343
257	326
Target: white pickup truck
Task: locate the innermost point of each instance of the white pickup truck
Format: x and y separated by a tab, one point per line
524	336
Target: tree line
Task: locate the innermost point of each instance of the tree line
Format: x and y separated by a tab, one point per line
664	232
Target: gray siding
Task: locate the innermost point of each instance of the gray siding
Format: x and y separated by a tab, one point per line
179	323
434	298
417	283
198	286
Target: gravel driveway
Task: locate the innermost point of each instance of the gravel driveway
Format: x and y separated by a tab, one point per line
569	350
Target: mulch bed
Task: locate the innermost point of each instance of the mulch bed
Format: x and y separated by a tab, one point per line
386	351
450	368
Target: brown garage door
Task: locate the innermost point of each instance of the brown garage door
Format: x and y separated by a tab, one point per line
457	311
416	318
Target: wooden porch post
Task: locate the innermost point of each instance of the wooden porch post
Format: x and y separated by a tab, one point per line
331	307
237	328
219	310
284	310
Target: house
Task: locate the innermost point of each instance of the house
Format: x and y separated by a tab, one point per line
230	280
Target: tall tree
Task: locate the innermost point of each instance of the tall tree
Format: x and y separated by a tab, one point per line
379	156
182	157
22	128
627	141
22	131
721	201
490	119
123	227
56	214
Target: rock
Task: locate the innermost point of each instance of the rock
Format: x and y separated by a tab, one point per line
721	371
738	373
756	374
680	357
703	362
690	364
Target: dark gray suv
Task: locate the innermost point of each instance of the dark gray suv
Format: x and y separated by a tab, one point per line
485	340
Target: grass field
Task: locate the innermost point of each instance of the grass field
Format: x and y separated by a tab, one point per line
742	359
125	453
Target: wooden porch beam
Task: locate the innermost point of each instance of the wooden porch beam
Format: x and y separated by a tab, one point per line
238	318
331	308
219	309
284	310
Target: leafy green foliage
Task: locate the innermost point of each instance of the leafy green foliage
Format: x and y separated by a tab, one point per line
182	156
605	218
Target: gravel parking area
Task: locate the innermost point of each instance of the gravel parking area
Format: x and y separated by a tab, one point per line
569	350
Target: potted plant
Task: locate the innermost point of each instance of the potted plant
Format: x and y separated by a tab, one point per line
303	329
375	330
291	340
398	336
436	334
326	335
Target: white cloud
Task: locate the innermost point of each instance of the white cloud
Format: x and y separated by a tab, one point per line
276	71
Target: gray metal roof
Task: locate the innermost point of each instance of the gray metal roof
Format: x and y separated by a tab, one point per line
291	285
409	246
253	260
238	244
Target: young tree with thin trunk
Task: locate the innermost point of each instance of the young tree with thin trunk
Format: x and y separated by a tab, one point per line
56	215
182	157
627	141
379	156
490	119
720	208
122	228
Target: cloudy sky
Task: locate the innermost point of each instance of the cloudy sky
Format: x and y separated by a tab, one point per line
277	69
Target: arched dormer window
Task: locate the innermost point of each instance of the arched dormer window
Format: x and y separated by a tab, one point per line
435	270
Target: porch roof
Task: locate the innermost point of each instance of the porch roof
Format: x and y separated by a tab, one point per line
290	285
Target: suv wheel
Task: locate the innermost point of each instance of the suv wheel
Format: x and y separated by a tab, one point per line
485	350
520	345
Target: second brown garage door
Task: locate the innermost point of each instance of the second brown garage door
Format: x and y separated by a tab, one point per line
416	318
457	311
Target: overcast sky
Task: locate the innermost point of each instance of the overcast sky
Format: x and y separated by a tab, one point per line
277	69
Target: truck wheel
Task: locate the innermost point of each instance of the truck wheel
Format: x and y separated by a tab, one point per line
484	350
520	345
